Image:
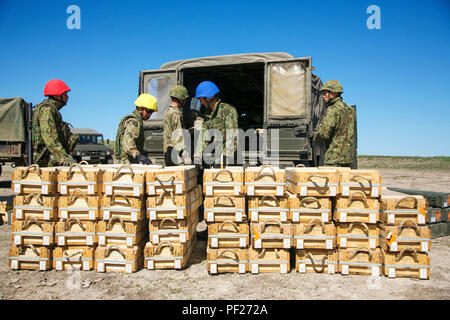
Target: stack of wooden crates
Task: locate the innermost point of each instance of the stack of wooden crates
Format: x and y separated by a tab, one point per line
225	214
34	217
314	232
173	200
404	237
80	192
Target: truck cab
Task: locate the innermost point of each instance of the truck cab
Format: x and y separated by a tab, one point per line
91	147
274	92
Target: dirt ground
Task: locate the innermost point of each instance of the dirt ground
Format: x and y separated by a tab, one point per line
194	283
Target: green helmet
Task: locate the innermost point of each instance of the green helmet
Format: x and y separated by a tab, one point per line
179	92
333	86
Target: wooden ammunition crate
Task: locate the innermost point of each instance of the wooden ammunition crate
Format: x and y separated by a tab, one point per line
357	234
168	255
269	260
117	232
3	212
357	208
312	182
79	206
316	261
169	205
227	260
303	209
86	178
118	259
173	230
406	235
397	208
29	257
73	258
178	179
75	232
361	261
228	234
271	234
434	215
268	207
229	180
31	231
125	180
314	235
224	207
406	264
265	180
44	208
33	179
122	206
366	181
437	229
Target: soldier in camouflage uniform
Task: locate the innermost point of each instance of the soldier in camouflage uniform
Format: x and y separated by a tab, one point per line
337	127
129	145
173	124
222	117
52	139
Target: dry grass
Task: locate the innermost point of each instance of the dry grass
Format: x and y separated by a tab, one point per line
388	162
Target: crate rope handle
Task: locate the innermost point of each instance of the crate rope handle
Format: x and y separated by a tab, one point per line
414	225
368	179
229	222
352	225
27	170
168	219
263	252
404	198
71	221
300	165
321	190
79	167
259	175
113	198
309	255
83	162
363	199
226	171
27	223
161	181
125	166
310	199
67	256
269	196
165	244
224	196
77	190
221	254
308	227
163	192
410	249
110	222
271	221
38	196
361	249
31	246
109	249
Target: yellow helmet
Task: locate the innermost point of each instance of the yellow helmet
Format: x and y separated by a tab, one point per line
147	101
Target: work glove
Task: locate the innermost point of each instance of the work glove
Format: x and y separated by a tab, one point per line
68	161
143	159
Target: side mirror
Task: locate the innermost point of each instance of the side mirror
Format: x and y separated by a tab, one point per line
107	141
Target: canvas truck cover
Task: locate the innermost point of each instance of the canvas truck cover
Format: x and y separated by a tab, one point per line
12	121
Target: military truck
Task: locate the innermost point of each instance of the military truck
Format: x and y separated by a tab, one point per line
274	91
15	132
91	147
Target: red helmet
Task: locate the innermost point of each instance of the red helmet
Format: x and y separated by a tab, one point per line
55	87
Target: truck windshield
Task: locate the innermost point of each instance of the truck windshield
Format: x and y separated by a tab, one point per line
90	139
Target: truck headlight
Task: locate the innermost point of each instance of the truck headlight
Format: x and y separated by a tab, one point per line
108	153
76	153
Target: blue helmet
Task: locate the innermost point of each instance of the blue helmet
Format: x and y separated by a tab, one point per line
206	89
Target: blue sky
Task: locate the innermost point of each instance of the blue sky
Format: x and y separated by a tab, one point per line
398	76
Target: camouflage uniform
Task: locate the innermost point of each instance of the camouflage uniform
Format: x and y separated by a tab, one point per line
173	119
52	140
337	129
223	118
130	135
